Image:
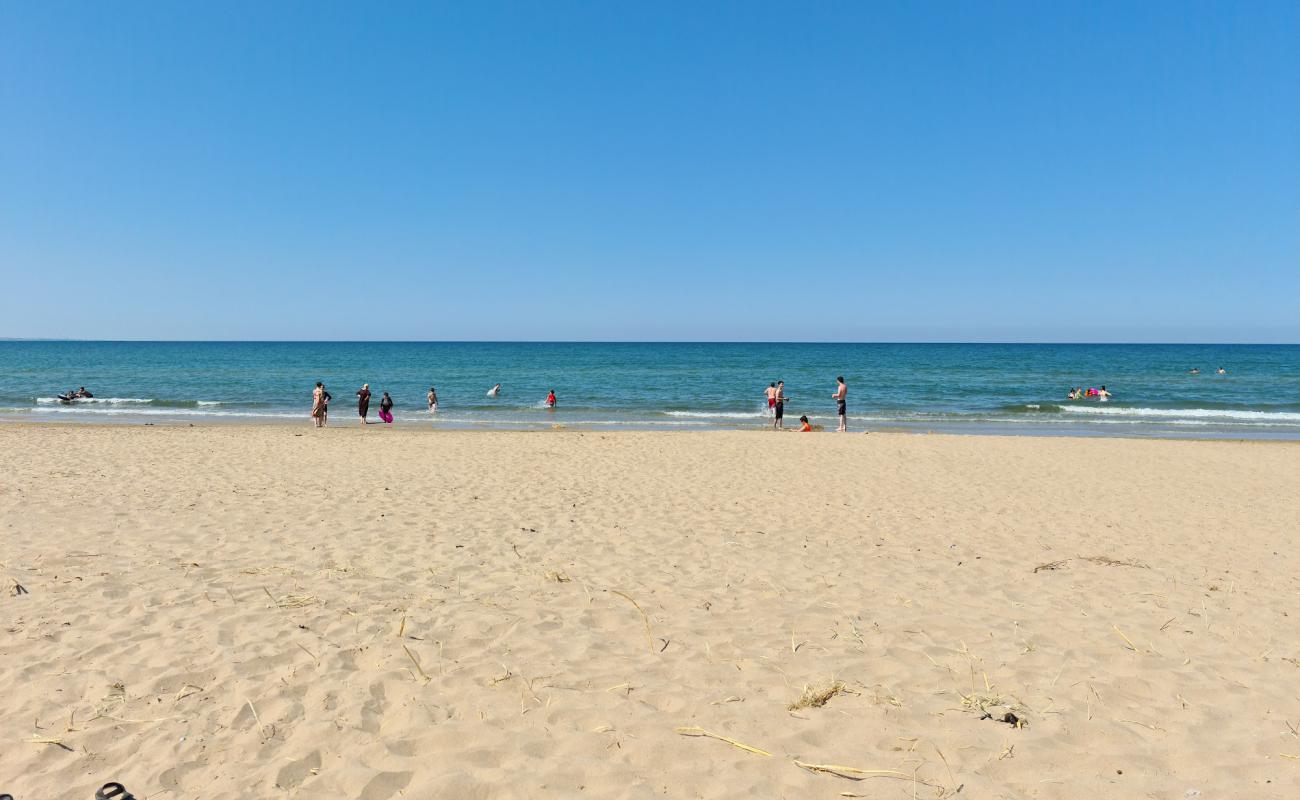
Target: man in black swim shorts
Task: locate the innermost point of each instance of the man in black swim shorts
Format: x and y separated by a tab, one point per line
778	408
841	398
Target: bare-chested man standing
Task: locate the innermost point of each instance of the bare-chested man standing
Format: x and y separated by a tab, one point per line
841	397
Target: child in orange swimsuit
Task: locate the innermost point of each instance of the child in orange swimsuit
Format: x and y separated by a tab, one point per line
804	427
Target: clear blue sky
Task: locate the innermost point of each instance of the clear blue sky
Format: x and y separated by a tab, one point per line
720	171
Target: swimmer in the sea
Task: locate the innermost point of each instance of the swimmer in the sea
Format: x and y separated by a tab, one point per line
494	391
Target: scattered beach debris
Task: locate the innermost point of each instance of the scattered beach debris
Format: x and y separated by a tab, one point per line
559	576
48	740
1010	718
816	697
882	696
112	702
261	729
416	662
855	774
692	731
277	568
649	640
1127	641
187	690
1143	724
292	600
1101	561
991	705
503	678
18	589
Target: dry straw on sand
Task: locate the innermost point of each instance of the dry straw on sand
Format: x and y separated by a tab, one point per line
649	640
1101	561
855	774
814	697
692	731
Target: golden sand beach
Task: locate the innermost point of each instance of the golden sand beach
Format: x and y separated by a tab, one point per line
260	612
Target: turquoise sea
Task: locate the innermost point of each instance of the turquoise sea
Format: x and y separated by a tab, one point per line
976	388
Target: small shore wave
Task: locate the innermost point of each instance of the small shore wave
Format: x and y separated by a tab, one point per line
127	401
1225	414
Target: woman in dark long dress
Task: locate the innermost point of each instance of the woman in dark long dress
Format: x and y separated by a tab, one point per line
363	401
386	408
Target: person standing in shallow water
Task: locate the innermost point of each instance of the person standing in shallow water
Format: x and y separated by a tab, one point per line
386	408
363	402
318	405
778	408
433	400
841	398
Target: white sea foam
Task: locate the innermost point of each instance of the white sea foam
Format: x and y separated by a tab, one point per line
1109	416
1189	413
116	401
494	421
165	412
1047	422
411	417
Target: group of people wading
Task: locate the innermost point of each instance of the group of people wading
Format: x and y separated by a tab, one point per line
320	404
776	400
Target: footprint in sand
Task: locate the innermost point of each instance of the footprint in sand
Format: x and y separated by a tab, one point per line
295	772
385	785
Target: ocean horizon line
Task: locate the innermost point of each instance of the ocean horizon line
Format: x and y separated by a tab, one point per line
839	342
